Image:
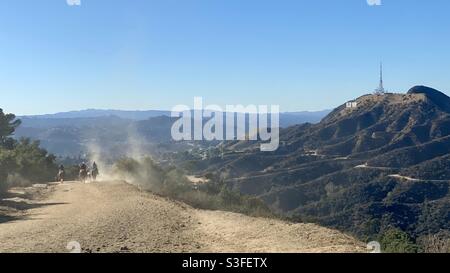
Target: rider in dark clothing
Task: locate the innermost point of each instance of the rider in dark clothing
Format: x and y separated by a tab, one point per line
94	171
83	172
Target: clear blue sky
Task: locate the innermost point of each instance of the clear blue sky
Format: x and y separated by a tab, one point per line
153	54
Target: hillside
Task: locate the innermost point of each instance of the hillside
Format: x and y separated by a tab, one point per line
352	170
117	217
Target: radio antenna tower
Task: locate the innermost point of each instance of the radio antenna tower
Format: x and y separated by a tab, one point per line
380	90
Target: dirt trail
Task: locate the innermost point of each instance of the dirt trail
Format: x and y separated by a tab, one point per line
117	217
410	179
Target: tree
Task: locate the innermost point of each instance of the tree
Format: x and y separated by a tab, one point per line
8	124
21	160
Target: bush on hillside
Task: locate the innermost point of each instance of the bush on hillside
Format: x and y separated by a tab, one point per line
397	241
173	183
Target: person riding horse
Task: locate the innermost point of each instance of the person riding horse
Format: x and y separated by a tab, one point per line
94	171
61	173
83	172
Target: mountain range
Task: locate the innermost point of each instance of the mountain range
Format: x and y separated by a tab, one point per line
377	163
74	133
286	118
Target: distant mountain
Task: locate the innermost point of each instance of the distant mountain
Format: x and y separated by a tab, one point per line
74	133
85	116
95	113
293	118
382	162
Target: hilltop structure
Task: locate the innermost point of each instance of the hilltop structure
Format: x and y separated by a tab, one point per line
380	90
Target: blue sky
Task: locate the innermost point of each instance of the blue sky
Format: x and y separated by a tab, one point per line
154	54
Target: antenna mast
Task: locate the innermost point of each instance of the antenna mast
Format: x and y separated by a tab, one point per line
380	90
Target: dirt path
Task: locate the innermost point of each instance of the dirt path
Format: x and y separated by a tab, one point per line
117	217
410	179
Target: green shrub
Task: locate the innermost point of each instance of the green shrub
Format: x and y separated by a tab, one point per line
435	243
3	185
32	162
397	241
6	164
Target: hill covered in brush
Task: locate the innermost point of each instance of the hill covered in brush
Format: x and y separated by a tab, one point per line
366	169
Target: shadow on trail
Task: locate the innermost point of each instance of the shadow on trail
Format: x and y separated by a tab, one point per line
25	205
10	207
7	218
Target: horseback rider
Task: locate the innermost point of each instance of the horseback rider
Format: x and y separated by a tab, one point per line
83	171
94	171
61	172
